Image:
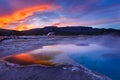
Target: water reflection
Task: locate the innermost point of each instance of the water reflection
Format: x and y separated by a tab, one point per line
29	59
103	59
48	56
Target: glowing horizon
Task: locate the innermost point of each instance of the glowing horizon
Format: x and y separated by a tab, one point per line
24	15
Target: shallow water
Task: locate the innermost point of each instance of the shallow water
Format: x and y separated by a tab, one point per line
101	54
96	57
46	56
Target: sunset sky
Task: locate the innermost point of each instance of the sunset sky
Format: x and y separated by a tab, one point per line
28	14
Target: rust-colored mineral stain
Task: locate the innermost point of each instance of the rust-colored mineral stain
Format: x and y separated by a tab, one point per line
29	59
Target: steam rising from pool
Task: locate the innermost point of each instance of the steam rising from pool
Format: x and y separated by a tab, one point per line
99	53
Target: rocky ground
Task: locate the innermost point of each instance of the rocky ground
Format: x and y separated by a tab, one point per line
9	71
36	72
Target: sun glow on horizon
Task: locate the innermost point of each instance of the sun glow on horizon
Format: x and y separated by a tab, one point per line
23	27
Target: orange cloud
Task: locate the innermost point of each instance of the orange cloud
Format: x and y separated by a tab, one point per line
5	21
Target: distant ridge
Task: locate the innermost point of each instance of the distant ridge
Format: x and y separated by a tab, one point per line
71	30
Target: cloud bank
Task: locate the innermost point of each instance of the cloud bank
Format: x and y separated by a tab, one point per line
27	14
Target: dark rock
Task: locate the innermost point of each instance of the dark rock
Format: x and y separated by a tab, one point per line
73	30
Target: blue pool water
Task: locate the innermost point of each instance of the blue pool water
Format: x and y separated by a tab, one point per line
100	58
105	63
98	53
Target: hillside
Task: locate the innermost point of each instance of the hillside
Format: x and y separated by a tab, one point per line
53	30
